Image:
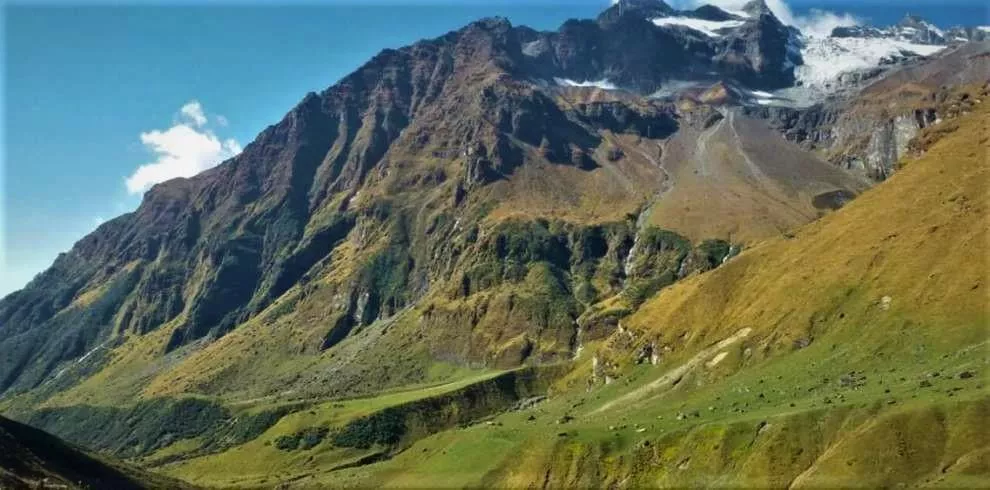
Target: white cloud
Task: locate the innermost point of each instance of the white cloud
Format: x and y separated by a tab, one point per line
221	121
193	112
183	150
816	23
821	23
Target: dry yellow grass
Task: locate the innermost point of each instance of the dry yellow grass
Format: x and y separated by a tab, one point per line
919	240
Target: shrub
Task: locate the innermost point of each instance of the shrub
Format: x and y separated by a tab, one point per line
310	437
385	427
287	443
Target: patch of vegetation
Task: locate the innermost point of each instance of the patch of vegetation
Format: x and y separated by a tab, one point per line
246	427
287	443
142	429
712	253
305	439
383	428
385	278
154	424
638	291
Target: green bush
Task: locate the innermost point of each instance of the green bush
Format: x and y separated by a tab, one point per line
287	443
310	437
384	428
713	252
305	439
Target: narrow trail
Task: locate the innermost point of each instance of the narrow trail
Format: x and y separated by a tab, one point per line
702	146
670	377
613	170
77	361
766	184
754	169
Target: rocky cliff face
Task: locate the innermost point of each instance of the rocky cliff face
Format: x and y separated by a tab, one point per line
911	28
644	44
871	131
762	52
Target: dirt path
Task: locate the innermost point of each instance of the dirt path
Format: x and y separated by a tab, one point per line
668	181
765	183
675	374
702	146
754	169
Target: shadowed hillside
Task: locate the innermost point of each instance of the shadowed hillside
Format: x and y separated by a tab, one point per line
30	458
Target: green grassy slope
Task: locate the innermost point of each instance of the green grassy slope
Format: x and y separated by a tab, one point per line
328	436
852	354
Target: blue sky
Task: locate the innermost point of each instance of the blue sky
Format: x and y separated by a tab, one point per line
92	94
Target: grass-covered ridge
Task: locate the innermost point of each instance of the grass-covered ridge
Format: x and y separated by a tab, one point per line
326	436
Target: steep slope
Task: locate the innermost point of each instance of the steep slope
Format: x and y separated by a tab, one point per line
851	354
738	180
875	301
30	458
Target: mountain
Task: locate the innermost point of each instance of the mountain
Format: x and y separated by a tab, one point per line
30	458
965	34
847	353
501	220
916	30
911	29
750	45
369	197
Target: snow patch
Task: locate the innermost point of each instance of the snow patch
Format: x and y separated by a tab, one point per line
707	27
826	58
532	48
765	98
602	84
